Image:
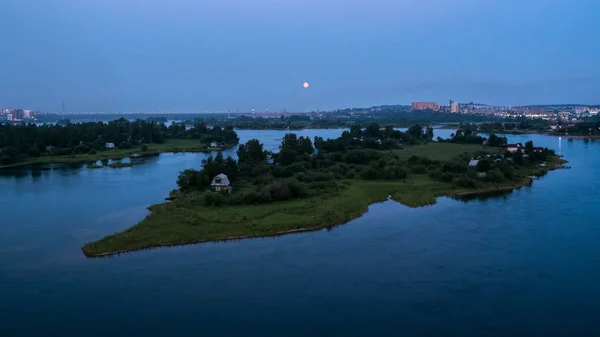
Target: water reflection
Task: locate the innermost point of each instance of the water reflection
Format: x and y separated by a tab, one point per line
483	196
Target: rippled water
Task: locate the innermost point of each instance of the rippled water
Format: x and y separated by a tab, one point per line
523	264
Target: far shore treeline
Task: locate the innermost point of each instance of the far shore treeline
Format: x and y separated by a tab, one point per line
20	142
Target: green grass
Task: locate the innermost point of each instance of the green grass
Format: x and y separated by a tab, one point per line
440	151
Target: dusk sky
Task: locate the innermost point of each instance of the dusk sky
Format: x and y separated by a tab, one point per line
141	55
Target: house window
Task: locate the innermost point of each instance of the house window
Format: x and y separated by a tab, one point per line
218	189
217	180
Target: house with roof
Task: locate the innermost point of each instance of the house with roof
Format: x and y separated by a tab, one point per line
220	183
473	163
110	145
512	147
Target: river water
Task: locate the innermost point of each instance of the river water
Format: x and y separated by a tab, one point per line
520	265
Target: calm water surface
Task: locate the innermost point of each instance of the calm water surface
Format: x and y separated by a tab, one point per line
525	264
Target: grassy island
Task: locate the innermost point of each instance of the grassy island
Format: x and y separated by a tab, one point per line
314	184
24	144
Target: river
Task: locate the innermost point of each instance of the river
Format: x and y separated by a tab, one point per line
520	265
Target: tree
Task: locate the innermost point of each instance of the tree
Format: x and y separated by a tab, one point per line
373	130
250	154
483	165
355	131
529	148
429	133
305	146
415	131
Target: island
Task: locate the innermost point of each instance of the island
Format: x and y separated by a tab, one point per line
314	184
24	144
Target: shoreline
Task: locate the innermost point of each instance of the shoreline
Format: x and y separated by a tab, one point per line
75	160
489	191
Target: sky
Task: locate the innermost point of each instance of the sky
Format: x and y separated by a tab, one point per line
218	55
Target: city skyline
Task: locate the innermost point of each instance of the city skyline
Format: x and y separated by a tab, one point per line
117	56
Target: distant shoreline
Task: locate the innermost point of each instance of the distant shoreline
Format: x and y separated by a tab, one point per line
153	150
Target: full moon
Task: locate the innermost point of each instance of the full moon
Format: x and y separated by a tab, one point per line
305	84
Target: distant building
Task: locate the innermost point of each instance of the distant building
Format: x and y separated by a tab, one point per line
17	114
473	163
425	106
110	145
454	107
512	147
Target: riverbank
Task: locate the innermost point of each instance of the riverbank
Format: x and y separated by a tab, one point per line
184	221
169	146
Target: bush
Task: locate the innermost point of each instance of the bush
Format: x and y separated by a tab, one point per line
144	147
495	176
34	152
369	173
125	145
188	180
214	198
5	160
419	169
466	182
447	177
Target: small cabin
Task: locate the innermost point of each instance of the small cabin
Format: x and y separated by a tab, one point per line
110	145
49	148
512	147
220	183
473	163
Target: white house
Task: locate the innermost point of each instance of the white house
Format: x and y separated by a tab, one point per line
473	163
220	183
110	145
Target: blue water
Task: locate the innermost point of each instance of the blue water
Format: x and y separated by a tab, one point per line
525	264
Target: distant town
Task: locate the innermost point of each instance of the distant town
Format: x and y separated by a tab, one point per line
553	113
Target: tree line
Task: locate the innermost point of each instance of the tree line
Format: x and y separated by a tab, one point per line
18	142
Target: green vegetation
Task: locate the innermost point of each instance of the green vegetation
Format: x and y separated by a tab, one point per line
440	151
583	129
85	142
309	185
397	116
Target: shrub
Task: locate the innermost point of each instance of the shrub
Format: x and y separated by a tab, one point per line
466	182
144	147
419	169
34	152
125	145
495	176
447	177
369	173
